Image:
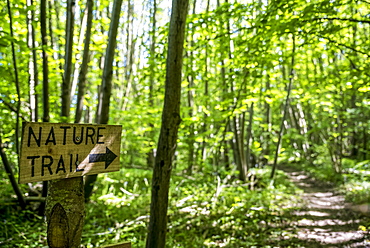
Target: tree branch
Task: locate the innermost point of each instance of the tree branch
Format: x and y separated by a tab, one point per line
363	1
11	177
341	19
12	108
344	45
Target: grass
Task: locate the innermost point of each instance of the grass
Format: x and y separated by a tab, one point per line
208	209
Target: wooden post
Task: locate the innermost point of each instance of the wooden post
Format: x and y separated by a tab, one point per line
58	228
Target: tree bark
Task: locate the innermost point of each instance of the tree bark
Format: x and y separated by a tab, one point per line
106	86
150	154
66	86
85	61
79	54
190	101
249	138
17	86
33	67
170	123
266	148
45	67
45	85
69	194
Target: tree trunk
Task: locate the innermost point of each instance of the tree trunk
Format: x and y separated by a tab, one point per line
364	142
45	67
190	101
291	76
45	86
150	157
85	61
106	86
268	130
170	123
249	138
66	86
78	58
238	145
69	194
33	67
17	86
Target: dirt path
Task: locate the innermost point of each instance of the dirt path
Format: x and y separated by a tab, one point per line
325	220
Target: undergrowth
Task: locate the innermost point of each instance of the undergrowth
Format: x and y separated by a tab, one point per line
205	210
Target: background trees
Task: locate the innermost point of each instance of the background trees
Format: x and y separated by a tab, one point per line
240	85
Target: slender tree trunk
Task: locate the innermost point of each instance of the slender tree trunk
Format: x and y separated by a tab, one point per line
45	67
191	136
45	86
353	128
249	137
297	143
106	86
278	145
237	122
12	179
190	101
66	86
78	57
85	60
55	39
33	67
268	130
238	144
304	129
130	42
150	155
17	85
170	124
205	96
364	141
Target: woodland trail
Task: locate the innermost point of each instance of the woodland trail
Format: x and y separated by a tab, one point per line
325	220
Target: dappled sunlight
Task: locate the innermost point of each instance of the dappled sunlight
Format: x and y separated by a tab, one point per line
200	108
327	223
111	199
325	204
329	236
325	218
312	213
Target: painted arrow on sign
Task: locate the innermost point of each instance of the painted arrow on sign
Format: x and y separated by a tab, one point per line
106	157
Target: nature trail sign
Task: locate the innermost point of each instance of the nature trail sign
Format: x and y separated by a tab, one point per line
57	150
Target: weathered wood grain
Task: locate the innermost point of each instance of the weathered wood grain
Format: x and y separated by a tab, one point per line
59	150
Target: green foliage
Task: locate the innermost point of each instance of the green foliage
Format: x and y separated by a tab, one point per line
236	54
21	228
231	214
356	186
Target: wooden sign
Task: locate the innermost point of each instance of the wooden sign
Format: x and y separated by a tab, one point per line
58	150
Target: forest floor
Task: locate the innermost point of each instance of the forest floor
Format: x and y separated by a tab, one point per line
326	219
